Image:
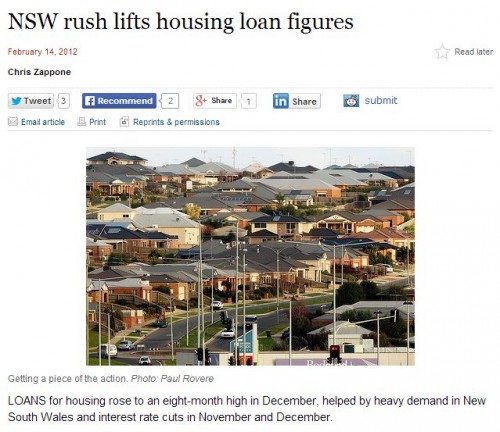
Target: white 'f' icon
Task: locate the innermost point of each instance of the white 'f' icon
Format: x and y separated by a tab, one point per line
89	101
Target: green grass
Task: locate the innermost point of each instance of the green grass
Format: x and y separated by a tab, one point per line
94	338
210	331
277	328
94	361
265	344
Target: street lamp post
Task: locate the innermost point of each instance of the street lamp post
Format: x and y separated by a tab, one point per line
408	303
109	340
290	334
408	262
188	295
200	290
342	252
236	356
334	302
278	251
244	307
171	328
278	285
212	278
378	313
99	323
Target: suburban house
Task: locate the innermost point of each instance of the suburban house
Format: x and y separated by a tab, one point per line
391	236
297	197
346	334
316	234
164	220
393	218
283	226
256	171
115	211
291	168
242	193
345	222
207	205
351	257
136	287
261	236
400	200
339	180
233	218
115	158
113	185
319	189
98	251
217	172
138	243
365	176
358	247
187	176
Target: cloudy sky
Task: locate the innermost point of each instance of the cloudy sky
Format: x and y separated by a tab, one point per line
241	157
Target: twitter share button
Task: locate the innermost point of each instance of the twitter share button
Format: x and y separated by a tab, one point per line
31	100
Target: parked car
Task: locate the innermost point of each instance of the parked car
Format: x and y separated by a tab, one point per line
159	323
144	361
226	334
125	345
108	350
216	304
388	268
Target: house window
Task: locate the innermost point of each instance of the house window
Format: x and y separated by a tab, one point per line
260	225
290	228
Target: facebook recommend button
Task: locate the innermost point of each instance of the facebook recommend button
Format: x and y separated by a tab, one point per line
119	100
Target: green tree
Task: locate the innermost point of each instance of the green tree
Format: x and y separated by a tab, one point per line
280	198
154	257
349	293
267	210
355	316
384	341
410	229
318	341
301	326
370	290
120	258
95	196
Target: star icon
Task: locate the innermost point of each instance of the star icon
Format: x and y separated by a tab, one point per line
442	52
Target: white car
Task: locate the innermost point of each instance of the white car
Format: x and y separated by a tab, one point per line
125	345
227	334
388	268
108	350
216	304
144	360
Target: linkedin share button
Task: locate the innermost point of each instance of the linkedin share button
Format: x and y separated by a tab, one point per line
296	100
119	100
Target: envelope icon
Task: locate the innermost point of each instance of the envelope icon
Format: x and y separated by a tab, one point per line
13	121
